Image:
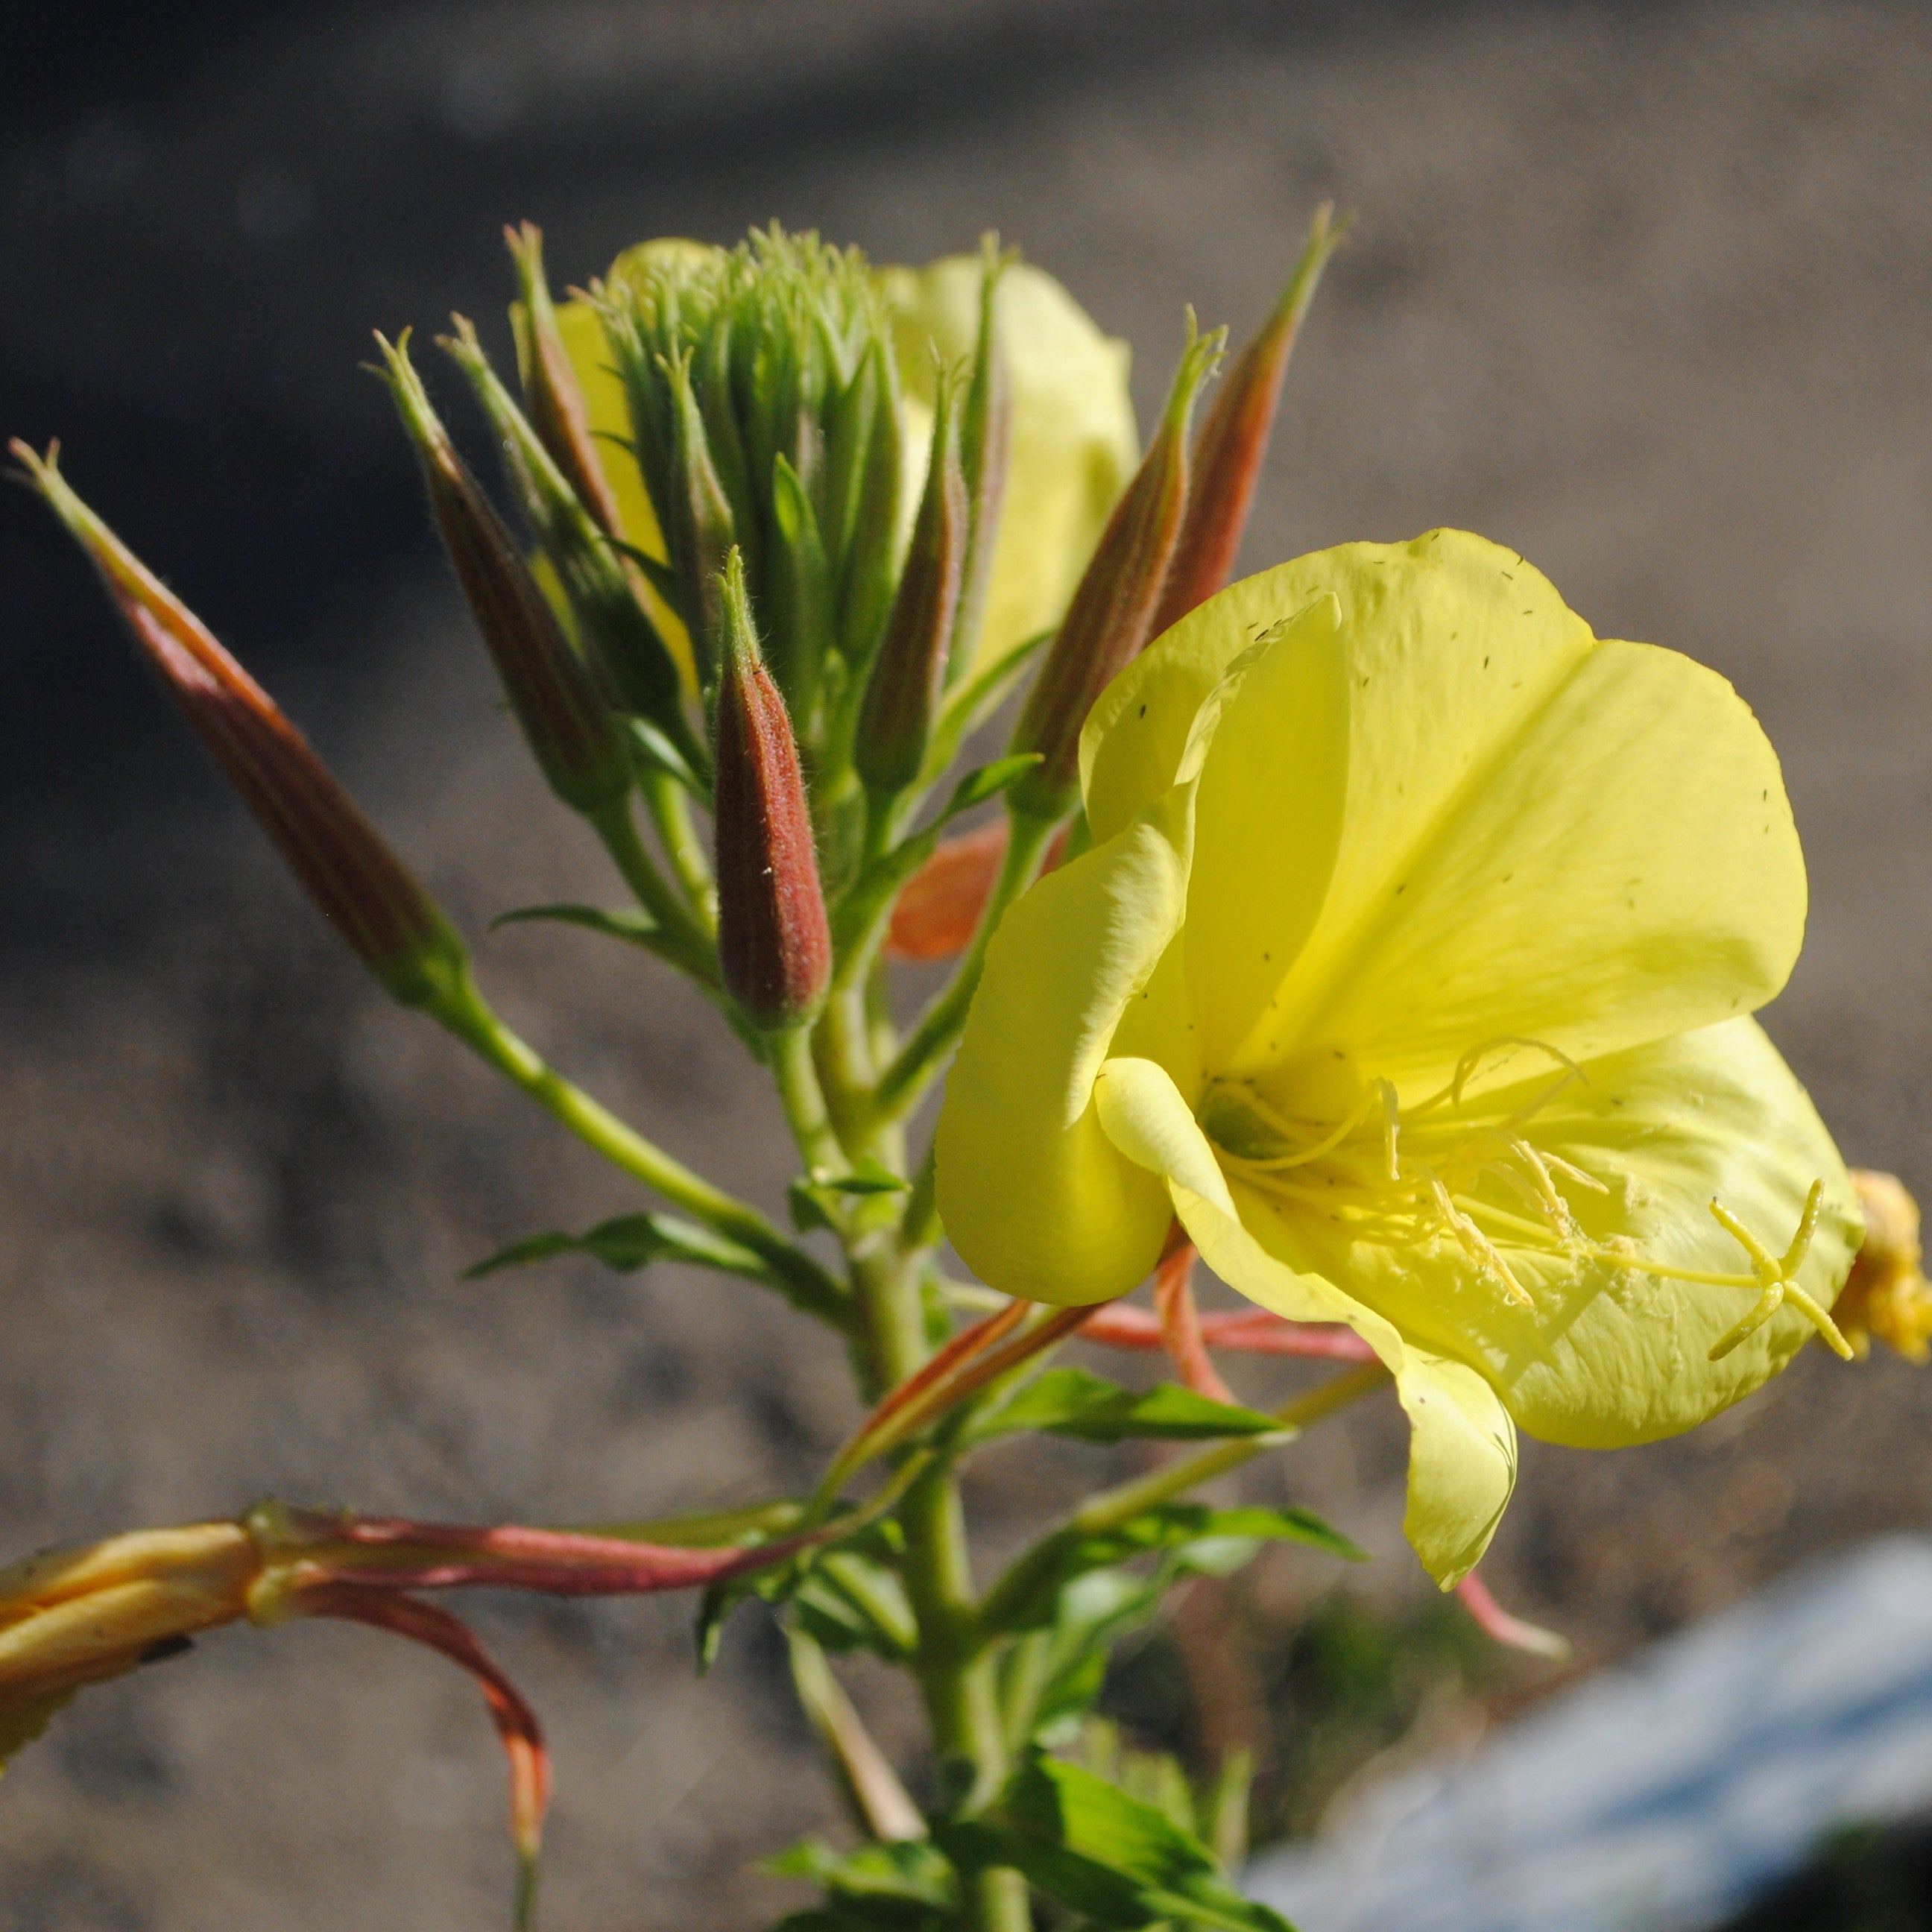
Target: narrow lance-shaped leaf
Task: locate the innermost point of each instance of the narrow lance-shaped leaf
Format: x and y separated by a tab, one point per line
571	731
1111	615
359	885
1233	443
774	942
1118	1861
909	668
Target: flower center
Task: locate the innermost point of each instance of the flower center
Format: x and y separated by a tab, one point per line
1403	1176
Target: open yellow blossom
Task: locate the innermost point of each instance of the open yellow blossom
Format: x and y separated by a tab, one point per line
1410	966
1074	443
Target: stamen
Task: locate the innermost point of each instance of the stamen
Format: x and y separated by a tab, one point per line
1376	1182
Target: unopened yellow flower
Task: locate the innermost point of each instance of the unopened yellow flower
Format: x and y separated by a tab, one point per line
1410	967
1073	446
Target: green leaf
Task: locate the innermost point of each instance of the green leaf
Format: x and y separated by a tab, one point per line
1072	1402
1217	1541
849	1602
908	1872
634	928
808	1211
657	748
986	782
631	1242
869	1175
971	701
1088	1844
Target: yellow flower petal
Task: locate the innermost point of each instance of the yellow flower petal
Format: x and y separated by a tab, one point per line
1032	1194
1585	842
1462	1455
1604	1355
1074	443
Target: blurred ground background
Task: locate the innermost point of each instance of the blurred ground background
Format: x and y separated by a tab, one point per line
1640	291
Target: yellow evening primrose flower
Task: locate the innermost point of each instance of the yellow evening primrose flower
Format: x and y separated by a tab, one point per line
1410	968
1074	444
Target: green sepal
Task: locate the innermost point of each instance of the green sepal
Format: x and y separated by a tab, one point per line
632	1241
1088	1844
1076	1402
1050	1565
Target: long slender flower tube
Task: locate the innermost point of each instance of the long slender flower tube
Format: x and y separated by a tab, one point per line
1411	966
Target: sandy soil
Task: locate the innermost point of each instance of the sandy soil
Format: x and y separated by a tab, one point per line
1641	292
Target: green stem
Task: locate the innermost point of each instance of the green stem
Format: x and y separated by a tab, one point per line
1112	1508
670	813
939	1027
692	946
803	1100
954	1667
468	1016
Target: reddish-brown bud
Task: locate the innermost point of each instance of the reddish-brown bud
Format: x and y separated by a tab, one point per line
1111	613
552	394
774	942
909	671
362	888
570	729
1234	440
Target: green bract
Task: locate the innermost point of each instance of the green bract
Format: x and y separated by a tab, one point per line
1409	968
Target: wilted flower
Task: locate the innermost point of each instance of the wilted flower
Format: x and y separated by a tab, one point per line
1409	968
1888	1295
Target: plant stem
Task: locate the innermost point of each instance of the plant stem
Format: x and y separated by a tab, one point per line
954	1668
695	950
911	1071
808	1285
670	813
803	1100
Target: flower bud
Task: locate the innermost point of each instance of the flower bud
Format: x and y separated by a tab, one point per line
1233	443
552	395
909	668
1887	1294
338	857
872	563
985	439
699	523
1111	615
633	664
774	943
570	729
